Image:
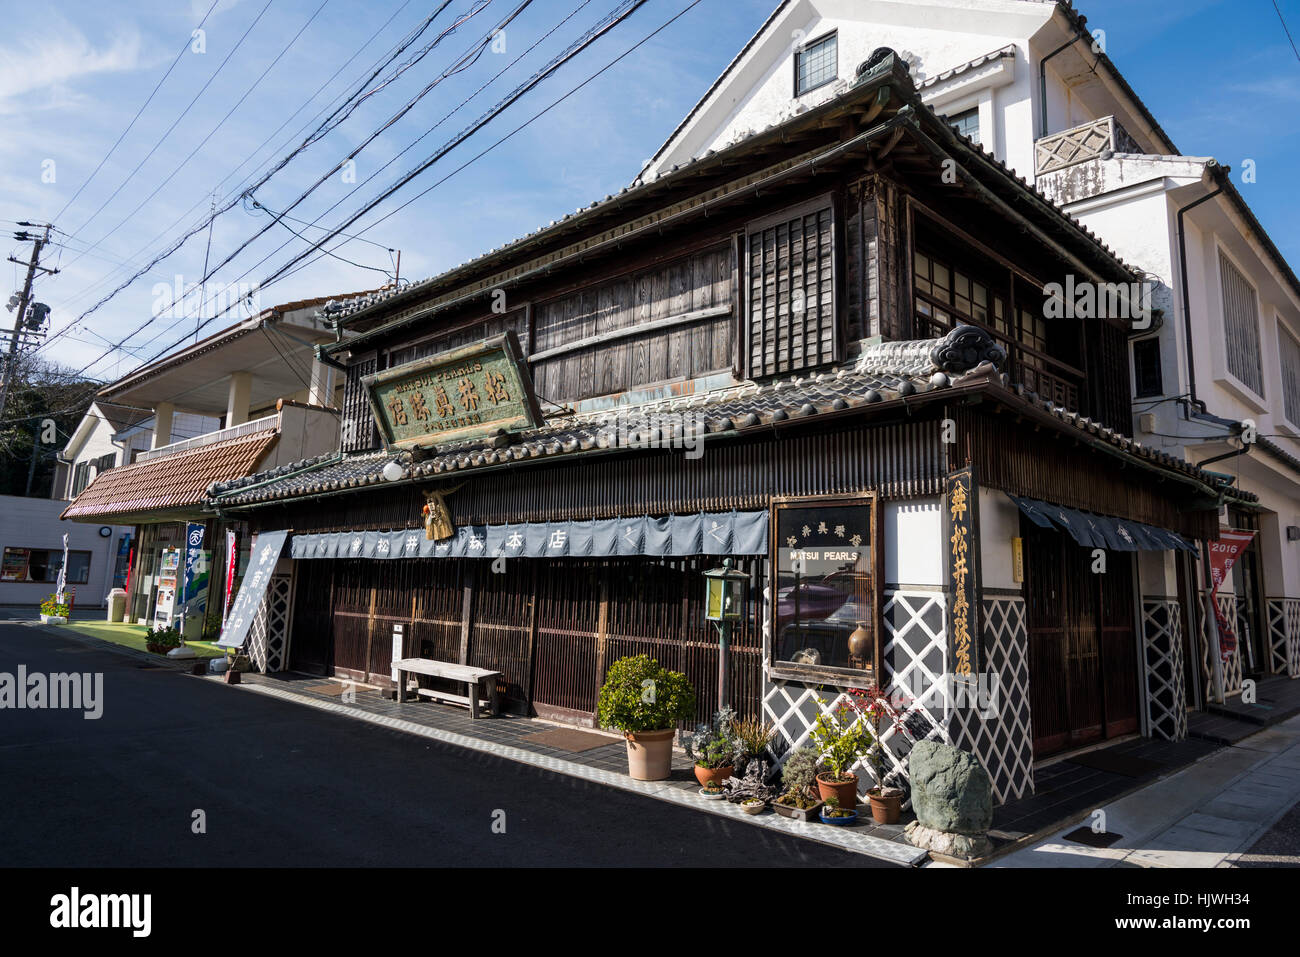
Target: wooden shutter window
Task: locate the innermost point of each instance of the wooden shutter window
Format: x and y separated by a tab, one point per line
791	294
359	430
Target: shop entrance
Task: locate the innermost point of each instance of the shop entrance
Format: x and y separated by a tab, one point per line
1083	681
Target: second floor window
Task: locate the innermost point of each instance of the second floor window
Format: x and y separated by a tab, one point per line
1289	354
967	123
1147	377
815	64
791	291
1241	326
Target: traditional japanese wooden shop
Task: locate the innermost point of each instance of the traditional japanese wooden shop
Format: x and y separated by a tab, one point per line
822	352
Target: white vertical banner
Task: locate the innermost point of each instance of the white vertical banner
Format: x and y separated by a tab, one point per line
63	570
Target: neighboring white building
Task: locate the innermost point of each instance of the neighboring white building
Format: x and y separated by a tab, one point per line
251	396
1216	372
31	539
110	435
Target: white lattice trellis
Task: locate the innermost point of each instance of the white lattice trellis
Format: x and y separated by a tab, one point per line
268	638
1284	636
998	730
1165	685
914	656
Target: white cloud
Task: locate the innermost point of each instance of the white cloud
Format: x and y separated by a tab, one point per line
50	62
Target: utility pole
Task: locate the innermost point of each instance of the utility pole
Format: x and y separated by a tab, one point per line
24	300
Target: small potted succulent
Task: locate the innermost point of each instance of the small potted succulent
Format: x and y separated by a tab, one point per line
799	798
644	700
714	747
753	805
54	612
835	815
713	791
162	640
841	736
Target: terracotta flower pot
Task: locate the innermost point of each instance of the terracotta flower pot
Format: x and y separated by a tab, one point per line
885	809
650	755
705	775
846	791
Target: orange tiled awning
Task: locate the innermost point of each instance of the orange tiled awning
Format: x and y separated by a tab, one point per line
172	483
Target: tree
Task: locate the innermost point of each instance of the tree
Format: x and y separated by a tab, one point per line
41	392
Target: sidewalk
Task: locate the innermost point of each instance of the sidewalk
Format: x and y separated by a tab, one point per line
1205	815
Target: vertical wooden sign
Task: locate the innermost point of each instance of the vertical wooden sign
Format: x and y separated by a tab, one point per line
962	560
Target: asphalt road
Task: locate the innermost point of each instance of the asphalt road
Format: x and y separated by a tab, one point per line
284	785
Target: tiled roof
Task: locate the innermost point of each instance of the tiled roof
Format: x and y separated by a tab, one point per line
888	374
998	54
170	483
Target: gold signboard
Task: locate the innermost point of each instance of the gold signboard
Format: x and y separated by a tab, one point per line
455	396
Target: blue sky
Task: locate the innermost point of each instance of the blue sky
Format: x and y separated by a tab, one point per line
1219	75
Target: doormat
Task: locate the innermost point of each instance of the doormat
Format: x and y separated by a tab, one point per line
1124	764
333	688
1086	835
568	739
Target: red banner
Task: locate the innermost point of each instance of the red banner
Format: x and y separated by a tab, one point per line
1223	555
232	557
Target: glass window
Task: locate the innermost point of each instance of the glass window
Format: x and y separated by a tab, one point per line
1289	352
825	608
1241	326
816	64
1147	379
967	123
42	565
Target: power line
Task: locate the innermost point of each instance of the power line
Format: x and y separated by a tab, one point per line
185	46
1286	30
416	59
221	66
338	116
214	129
129	264
289	267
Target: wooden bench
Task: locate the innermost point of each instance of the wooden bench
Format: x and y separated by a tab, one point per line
464	674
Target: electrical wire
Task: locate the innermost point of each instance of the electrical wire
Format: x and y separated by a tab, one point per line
118	142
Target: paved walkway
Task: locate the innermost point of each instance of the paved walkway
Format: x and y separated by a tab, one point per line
1206	815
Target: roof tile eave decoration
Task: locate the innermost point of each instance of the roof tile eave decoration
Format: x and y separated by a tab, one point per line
169	483
887	372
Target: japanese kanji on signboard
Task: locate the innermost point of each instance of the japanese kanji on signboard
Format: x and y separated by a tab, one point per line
458	395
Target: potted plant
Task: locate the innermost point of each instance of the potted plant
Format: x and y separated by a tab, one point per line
644	700
713	747
53	611
162	640
886	802
799	798
713	791
835	815
841	736
753	735
753	805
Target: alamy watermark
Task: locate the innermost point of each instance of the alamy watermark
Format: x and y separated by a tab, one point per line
653	430
1130	301
78	691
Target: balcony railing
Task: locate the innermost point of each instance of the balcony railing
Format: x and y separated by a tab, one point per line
211	438
1082	143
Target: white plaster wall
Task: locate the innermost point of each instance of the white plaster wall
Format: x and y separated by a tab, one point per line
35	523
936	35
999	524
914	542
